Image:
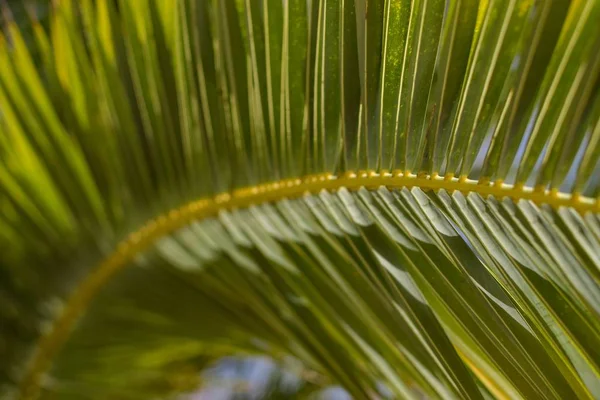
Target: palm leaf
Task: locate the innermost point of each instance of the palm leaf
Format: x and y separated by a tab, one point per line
401	196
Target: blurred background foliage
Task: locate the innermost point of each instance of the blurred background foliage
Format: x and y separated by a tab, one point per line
201	378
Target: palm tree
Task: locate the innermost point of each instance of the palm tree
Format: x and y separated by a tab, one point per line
398	197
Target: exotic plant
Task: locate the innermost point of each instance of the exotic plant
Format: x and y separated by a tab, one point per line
399	196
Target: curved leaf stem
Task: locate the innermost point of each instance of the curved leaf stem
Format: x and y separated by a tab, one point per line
50	344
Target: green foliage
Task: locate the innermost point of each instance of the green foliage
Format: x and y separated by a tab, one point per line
113	112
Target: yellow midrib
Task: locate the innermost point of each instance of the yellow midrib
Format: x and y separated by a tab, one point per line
50	344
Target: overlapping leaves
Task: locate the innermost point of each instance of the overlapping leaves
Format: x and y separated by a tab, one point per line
131	108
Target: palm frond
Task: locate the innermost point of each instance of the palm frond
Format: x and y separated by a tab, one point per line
402	195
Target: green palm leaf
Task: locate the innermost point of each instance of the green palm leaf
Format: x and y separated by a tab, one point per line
401	197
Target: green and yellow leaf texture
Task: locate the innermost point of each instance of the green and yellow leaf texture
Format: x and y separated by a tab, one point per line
402	196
